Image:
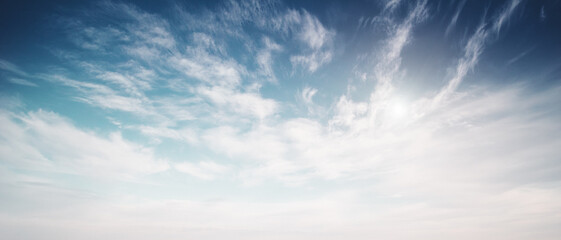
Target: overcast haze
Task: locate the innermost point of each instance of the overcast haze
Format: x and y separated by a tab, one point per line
280	120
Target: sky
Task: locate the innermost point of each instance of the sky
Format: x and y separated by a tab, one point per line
280	119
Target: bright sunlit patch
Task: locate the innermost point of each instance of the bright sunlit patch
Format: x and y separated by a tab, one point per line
398	109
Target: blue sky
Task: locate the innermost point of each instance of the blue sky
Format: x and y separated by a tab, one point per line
280	119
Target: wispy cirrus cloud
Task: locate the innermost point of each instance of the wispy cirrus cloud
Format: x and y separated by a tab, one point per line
203	66
103	96
504	16
454	19
392	4
474	48
10	67
316	37
472	51
265	59
23	82
245	103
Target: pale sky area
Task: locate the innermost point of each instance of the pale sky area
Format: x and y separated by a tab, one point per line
258	120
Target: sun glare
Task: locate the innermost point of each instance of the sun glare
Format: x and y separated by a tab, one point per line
398	110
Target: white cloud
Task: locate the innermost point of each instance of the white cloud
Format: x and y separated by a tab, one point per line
504	16
519	56
481	163
245	103
129	84
488	138
265	59
392	4
103	96
308	93
205	170
346	112
146	29
45	141
473	50
312	61
137	33
22	82
143	52
454	19
211	69
183	134
313	33
365	139
10	67
222	93
364	115
480	159
211	85
318	39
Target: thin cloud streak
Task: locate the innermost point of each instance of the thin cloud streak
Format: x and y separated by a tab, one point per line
473	49
23	82
10	67
454	19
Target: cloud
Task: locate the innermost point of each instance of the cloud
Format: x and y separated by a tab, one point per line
184	134
221	93
216	82
454	163
45	141
10	67
454	19
205	170
346	112
542	14
308	93
481	155
312	61
245	103
318	39
368	139
265	61
138	28
313	33
390	59
213	70
473	50
203	67
103	96
23	82
504	16
129	84
392	4
386	70
519	56
470	141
